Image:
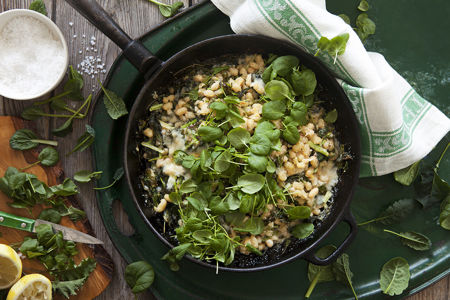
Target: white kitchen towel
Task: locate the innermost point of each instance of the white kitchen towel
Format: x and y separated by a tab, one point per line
398	127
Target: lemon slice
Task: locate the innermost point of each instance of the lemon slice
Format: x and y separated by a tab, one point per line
31	287
10	266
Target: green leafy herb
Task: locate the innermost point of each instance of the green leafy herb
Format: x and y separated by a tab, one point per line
209	134
86	176
407	175
303	82
24	139
260	144
115	106
116	177
257	162
331	116
336	46
341	270
139	276
363	5
284	64
277	90
317	273
51	215
302	230
291	133
394	276
413	240
168	10
84	141
298	212
26	190
69	281
238	137
251	183
252	249
47	157
365	27
253	226
39	6
394	213
56	255
66	127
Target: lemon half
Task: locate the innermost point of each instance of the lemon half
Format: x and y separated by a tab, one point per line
31	287
10	266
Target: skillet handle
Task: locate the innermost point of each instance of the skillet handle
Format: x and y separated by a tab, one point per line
133	50
350	220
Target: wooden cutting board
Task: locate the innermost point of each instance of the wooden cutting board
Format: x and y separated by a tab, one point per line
101	276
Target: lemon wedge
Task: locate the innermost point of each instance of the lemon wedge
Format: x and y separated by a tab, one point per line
10	266
31	287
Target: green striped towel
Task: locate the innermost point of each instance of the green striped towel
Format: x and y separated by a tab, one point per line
398	127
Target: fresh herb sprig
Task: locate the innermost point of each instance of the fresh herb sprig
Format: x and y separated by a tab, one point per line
118	174
168	10
26	190
24	139
139	276
394	276
84	141
56	255
47	157
115	106
336	46
39	6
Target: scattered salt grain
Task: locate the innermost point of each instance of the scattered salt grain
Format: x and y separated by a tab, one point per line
31	57
70	24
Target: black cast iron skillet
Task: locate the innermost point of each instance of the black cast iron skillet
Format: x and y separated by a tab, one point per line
160	74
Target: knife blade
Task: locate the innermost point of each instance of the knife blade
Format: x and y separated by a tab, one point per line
26	224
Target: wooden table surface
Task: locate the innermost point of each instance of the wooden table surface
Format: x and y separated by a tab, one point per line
135	17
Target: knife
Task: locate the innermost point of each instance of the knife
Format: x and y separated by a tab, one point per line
22	223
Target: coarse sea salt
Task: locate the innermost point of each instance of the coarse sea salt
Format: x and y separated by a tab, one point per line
31	57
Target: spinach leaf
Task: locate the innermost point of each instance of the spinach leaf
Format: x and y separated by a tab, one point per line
139	276
251	183
84	141
394	276
220	109
302	230
188	186
257	162
66	188
284	64
317	273
336	46
260	144
273	110
86	176
252	249
407	175
363	5
209	134
303	82
268	129
115	106
299	113
365	27
238	137
298	212
222	162
116	177
51	215
48	157
341	270
39	6
168	10
331	116
277	90
253	226
291	133
24	139
413	240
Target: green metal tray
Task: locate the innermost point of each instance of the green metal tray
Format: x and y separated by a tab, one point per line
409	40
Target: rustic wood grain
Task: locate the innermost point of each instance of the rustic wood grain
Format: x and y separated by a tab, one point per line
102	275
136	17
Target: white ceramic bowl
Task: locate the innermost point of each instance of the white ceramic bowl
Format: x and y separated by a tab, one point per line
7	16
